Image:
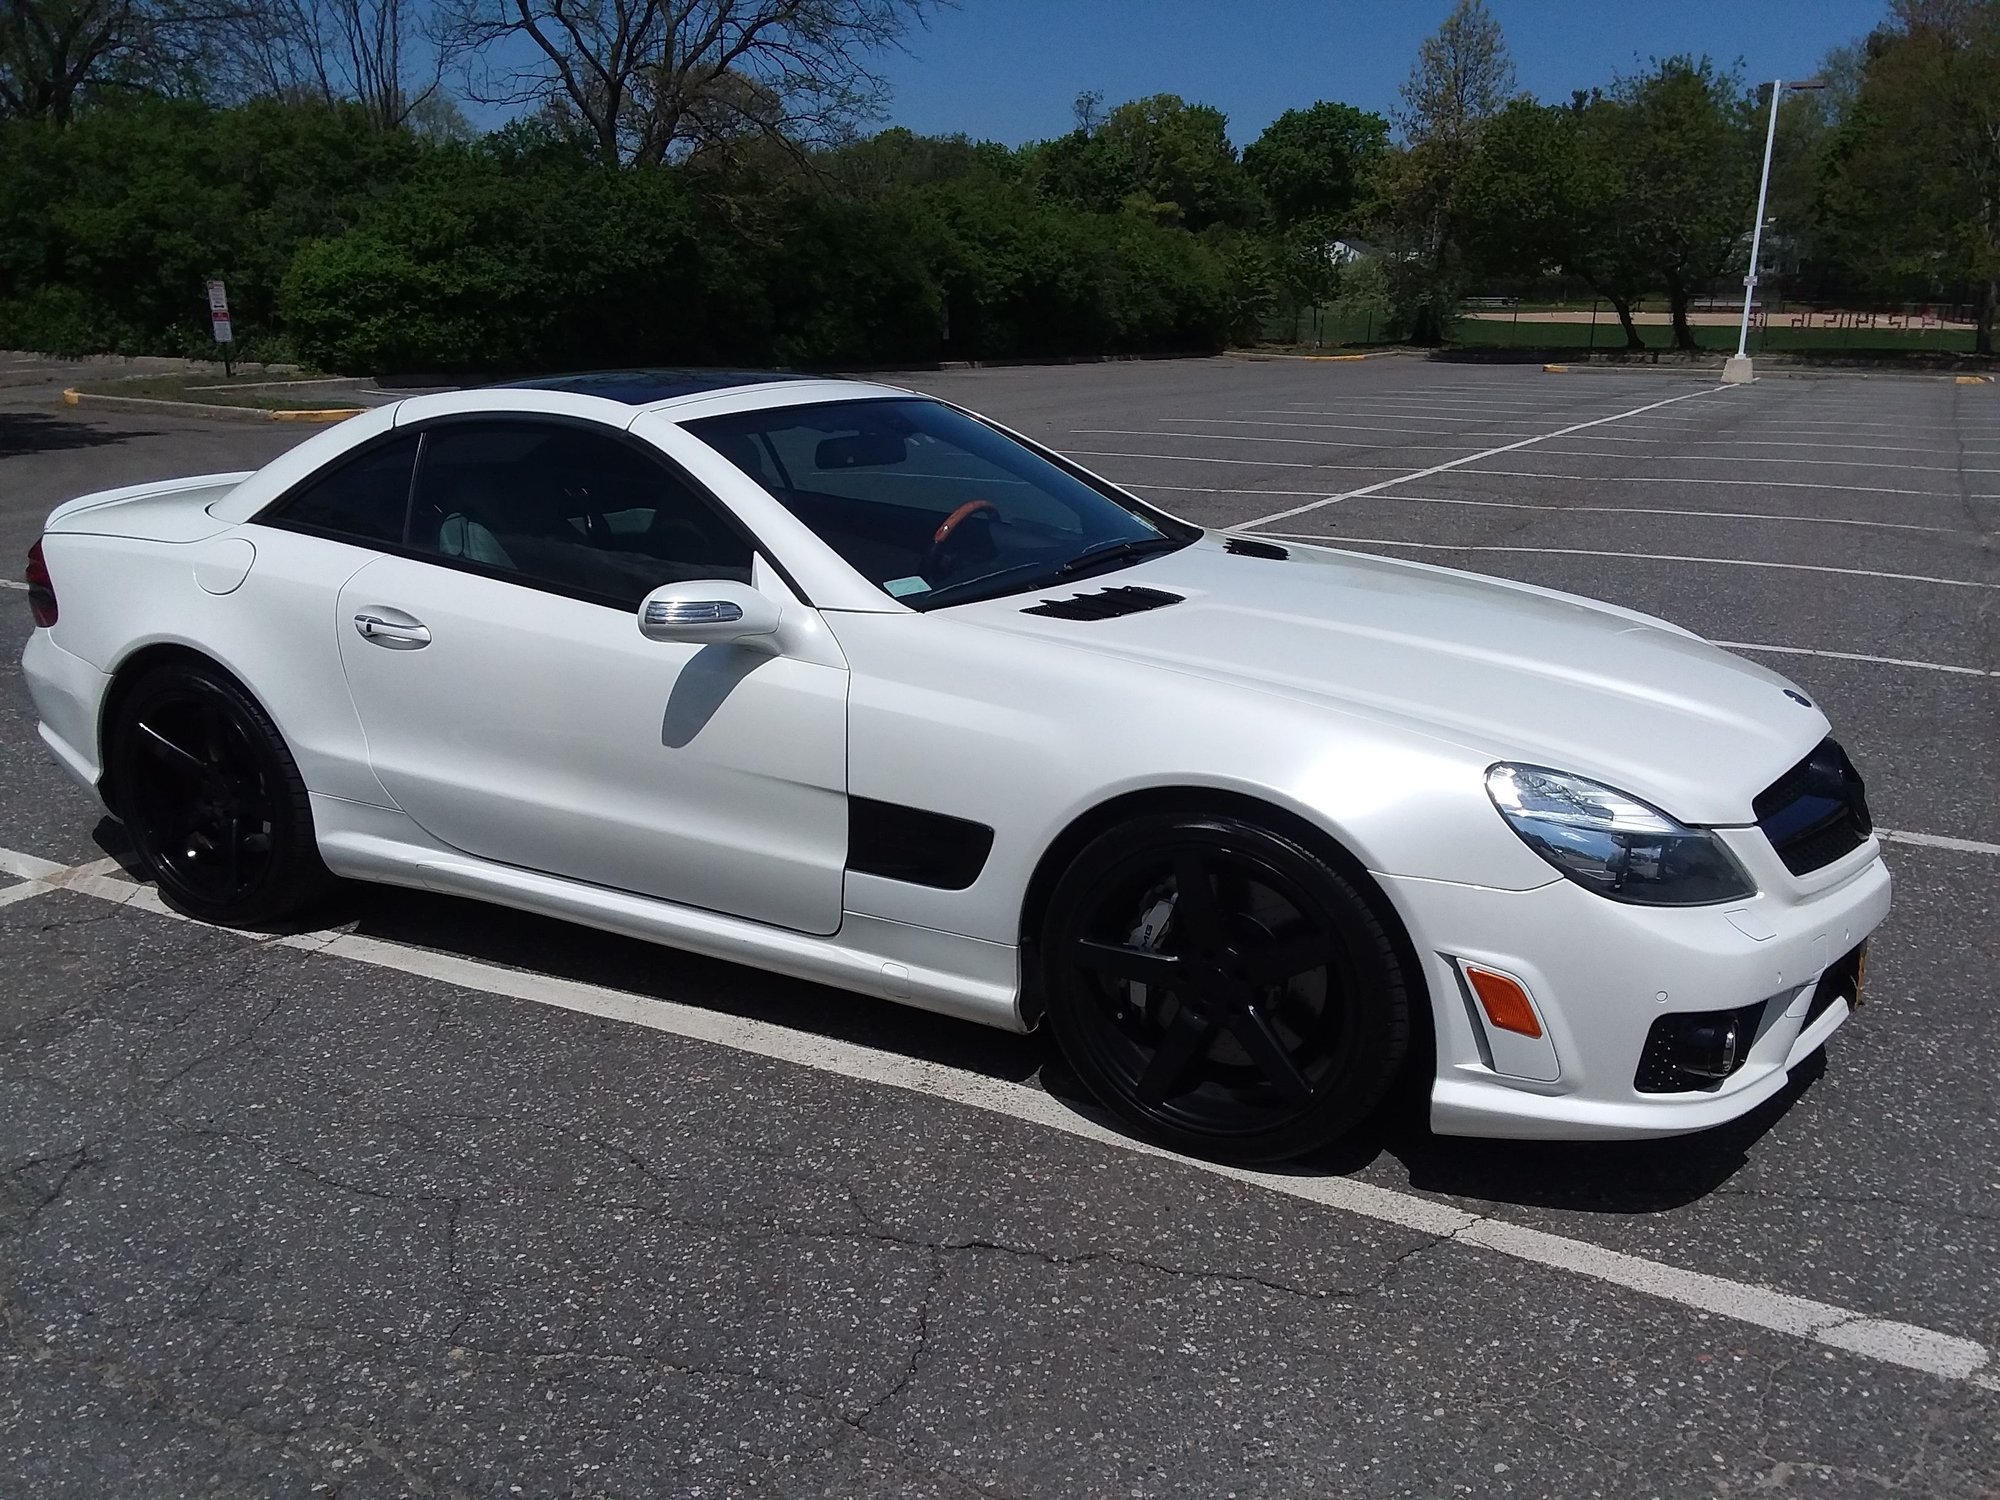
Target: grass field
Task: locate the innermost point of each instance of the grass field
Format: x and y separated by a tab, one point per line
1506	334
1327	328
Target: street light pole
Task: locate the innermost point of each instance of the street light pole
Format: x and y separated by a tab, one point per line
1738	370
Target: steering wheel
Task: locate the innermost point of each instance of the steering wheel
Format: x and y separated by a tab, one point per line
948	528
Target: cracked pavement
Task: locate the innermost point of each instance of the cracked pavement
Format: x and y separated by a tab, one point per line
276	1223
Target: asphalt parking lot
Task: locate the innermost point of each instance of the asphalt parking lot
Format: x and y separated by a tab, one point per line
443	1200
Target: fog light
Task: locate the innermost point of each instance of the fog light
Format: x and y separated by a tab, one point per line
1709	1050
1696	1050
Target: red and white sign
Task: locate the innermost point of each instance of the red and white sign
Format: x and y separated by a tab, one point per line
218	312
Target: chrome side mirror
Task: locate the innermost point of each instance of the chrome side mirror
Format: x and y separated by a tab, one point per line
709	612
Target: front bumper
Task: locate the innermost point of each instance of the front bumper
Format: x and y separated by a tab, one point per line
1601	973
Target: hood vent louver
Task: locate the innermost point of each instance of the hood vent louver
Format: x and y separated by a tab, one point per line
1103	605
1244	546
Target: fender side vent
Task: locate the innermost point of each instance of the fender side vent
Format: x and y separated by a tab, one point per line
1102	605
1244	546
913	845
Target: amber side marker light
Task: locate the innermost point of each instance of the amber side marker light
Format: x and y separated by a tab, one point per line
1506	1004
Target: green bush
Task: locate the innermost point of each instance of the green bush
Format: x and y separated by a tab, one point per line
361	250
478	264
110	228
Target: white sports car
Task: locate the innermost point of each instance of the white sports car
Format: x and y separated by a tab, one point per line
846	682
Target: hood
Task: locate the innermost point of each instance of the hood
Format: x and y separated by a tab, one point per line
1510	671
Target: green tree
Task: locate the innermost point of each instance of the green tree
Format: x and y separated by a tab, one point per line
1316	165
1687	155
1182	163
1461	79
1545	191
1914	194
898	158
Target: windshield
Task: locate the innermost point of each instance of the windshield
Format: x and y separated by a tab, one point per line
935	507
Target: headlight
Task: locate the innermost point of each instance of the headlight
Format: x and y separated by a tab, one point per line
1614	844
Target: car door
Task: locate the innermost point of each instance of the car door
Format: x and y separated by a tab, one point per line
515	712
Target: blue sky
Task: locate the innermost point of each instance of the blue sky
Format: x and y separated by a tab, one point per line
1008	70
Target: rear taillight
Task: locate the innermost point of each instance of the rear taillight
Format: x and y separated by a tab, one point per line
41	587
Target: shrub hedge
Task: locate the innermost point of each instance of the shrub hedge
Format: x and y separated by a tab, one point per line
361	251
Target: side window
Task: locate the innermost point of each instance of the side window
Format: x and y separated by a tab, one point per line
566	509
363	500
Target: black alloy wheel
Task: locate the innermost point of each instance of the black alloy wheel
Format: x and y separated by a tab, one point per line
1222	987
212	799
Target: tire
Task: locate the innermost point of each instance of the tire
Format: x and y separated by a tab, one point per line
1262	1019
212	799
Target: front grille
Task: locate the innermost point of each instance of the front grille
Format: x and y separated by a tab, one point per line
1815	812
1668	1045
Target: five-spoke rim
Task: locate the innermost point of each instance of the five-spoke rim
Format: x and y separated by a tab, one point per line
199	795
1213	985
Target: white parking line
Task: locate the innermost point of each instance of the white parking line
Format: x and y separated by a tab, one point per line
1746	458
1198	489
12	583
1727	562
1608	510
1251	416
1182	458
1594	437
1764	484
28	867
1821	446
1936	841
1471	458
1647	510
23	891
1880	661
1373	425
1242	437
1885	1340
1447	403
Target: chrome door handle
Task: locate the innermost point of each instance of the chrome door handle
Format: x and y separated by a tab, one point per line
397	635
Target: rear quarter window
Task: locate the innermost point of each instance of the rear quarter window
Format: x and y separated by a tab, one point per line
363	499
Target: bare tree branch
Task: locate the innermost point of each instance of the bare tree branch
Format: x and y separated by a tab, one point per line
386	55
651	80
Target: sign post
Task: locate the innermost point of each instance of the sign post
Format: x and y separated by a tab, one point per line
218	322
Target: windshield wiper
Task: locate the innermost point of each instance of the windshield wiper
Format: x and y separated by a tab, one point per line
1112	551
1009	581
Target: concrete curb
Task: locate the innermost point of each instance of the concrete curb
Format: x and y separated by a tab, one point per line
1320	358
209	410
1714	371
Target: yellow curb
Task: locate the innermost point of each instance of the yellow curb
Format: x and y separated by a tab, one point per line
1555	369
1322	358
1973	379
214	409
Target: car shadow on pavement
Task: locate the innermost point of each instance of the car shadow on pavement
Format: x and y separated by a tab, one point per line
543	945
1395	1147
26	432
1605	1177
